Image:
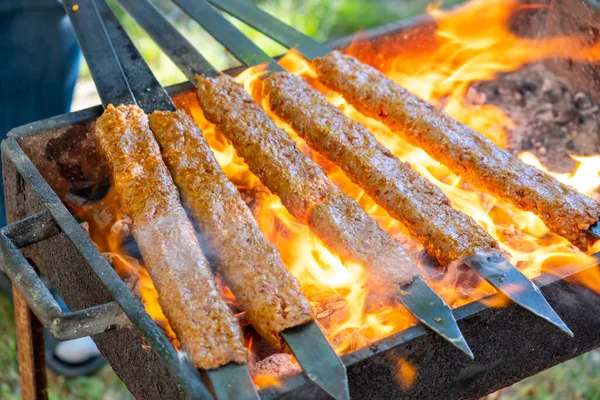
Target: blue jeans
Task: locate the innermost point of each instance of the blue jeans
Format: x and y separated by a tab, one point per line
39	64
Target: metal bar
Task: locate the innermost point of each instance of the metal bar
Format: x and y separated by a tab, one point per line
30	346
168	38
249	13
98	52
63	326
27	282
146	89
234	41
33	229
185	374
89	321
507	279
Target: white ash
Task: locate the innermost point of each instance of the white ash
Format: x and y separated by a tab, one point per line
278	365
122	228
553	119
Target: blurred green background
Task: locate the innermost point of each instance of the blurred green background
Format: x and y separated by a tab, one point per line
321	19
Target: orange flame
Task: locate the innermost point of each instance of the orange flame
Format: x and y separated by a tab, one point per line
404	372
471	44
263	381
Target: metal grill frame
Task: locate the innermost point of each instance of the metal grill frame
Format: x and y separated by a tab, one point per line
364	366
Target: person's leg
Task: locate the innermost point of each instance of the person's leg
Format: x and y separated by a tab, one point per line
39	65
38	69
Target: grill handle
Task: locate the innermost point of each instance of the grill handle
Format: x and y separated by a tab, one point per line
62	325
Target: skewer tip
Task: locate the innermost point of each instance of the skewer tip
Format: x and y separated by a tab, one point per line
566	330
464	347
339	390
506	278
433	312
555	320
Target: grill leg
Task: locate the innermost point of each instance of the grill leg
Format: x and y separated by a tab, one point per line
30	342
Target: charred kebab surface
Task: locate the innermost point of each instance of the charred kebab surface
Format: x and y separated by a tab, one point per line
466	152
250	264
188	295
447	234
304	188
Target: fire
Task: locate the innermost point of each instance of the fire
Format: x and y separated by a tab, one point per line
109	228
472	43
265	380
584	178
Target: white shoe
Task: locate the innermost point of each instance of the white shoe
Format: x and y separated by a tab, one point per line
76	351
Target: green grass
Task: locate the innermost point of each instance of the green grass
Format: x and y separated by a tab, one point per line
9	368
576	379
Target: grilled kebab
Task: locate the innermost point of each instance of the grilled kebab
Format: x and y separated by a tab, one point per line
466	152
251	265
204	324
447	234
304	188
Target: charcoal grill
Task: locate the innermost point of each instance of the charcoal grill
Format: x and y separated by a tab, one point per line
45	160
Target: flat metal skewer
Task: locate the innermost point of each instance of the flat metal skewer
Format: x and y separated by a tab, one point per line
183	54
250	14
308	344
595	229
115	65
148	93
433	312
505	277
318	360
232	381
218	27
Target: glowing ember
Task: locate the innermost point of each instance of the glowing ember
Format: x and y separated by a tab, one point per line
404	372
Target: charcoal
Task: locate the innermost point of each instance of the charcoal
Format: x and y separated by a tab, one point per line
552	118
